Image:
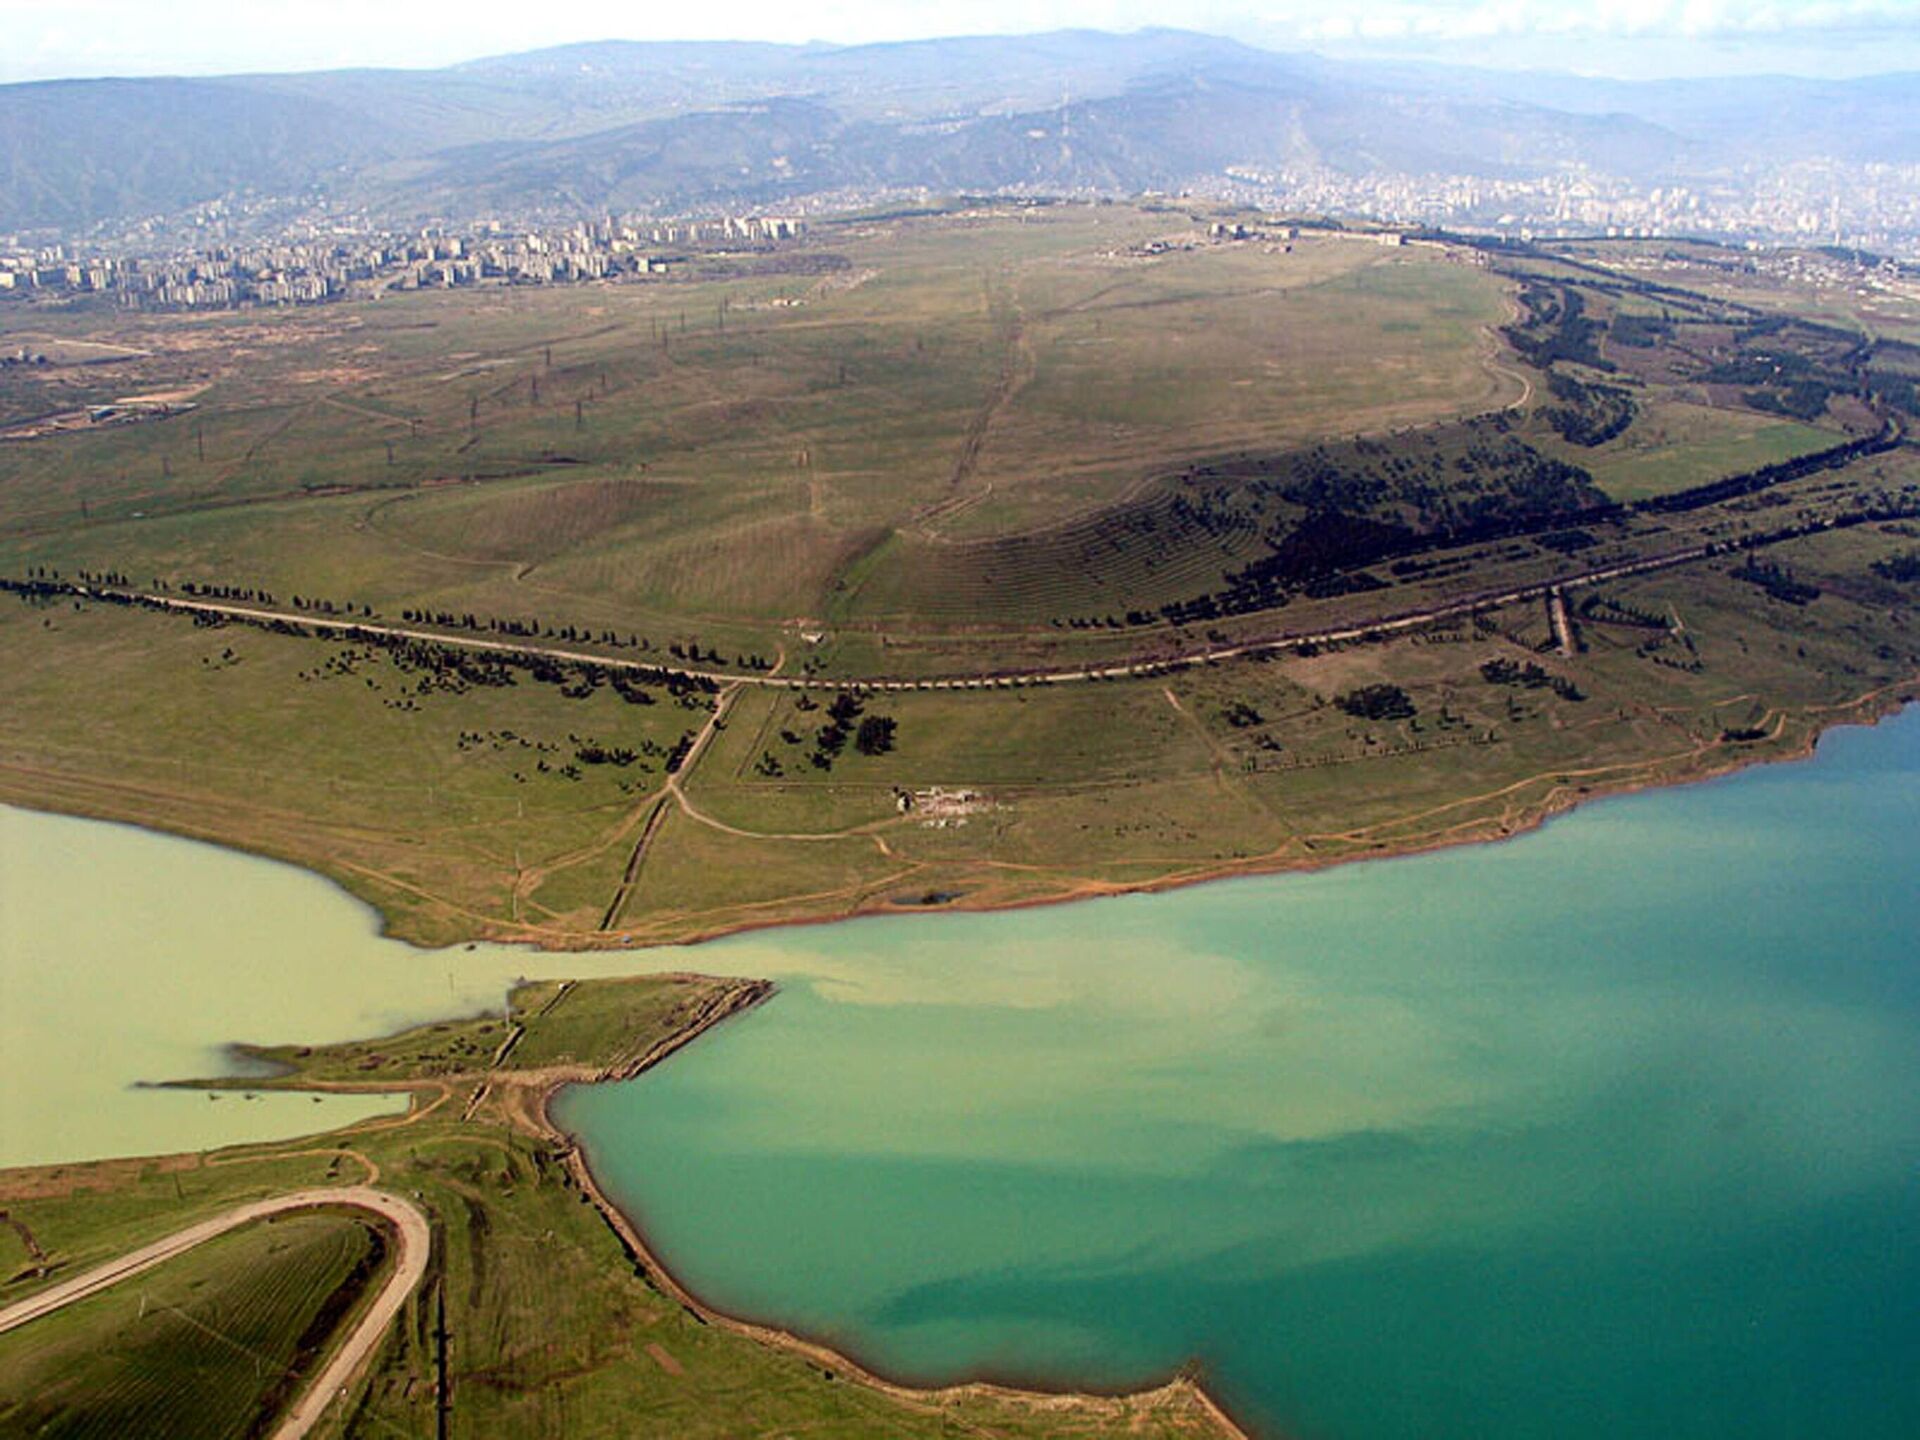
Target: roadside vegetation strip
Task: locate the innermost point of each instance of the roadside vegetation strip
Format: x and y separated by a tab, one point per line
721	680
410	1266
1385	624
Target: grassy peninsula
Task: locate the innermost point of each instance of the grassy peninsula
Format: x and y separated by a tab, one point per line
556	1320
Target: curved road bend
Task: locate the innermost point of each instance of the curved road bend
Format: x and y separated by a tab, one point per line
409	1267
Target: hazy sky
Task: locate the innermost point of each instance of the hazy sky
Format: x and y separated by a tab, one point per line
48	39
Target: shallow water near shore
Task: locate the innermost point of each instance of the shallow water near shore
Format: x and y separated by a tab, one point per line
128	958
1611	1129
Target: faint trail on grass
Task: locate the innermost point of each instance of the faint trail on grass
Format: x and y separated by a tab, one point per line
1016	370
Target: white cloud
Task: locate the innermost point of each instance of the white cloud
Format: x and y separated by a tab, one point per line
1454	20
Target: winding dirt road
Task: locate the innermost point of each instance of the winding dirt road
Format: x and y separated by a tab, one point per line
409	1267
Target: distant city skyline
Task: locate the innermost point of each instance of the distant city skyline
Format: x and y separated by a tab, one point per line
1620	38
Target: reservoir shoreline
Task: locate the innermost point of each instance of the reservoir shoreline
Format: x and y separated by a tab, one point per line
1568	791
1867	711
1182	1385
530	1098
525	1098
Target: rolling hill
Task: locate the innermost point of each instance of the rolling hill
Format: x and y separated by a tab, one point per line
621	123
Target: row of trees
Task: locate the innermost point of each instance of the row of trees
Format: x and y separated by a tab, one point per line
529	628
1529	676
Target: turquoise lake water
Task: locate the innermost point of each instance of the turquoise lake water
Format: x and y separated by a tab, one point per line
1610	1129
1613	1129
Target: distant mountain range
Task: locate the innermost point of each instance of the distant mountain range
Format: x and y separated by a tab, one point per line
629	125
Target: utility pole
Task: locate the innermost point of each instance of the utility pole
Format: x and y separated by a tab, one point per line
443	1391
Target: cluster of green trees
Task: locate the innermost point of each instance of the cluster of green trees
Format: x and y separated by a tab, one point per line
1803	400
1900	391
1589	414
1377	702
1529	676
592	752
1642	332
1557	327
1777	581
1366	500
847	721
875	735
1786	382
683	747
1903	568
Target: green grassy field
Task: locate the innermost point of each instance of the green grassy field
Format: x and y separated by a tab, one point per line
1677	444
957	446
714	457
1080	788
601	1025
211	1344
440	814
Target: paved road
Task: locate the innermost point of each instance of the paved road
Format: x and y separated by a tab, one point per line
409	1267
1381	625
